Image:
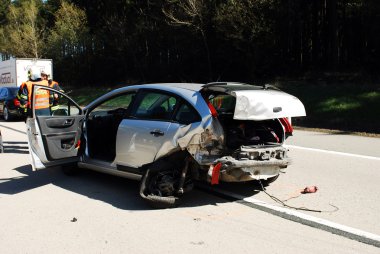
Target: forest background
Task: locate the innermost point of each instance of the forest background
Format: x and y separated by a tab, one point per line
327	52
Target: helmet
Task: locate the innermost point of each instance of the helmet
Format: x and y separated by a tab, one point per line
34	73
45	73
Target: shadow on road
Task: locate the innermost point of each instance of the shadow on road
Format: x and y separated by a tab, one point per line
20	147
119	192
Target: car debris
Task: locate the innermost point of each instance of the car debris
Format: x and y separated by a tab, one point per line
309	189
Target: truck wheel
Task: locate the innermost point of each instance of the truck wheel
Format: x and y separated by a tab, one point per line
157	189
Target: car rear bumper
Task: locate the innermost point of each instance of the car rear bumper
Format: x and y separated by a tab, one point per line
253	163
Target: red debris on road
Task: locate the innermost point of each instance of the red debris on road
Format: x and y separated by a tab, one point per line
309	189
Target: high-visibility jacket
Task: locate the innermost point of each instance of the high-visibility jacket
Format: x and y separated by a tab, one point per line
41	102
41	97
54	84
54	101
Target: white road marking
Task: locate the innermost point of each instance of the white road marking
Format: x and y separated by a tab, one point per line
329	226
334	152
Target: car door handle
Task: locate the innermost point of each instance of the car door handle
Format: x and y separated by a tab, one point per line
157	133
68	122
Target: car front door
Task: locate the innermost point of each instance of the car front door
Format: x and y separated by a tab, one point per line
149	131
53	136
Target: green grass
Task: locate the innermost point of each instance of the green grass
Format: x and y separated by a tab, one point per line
347	106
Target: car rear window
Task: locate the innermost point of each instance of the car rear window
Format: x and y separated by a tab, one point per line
223	103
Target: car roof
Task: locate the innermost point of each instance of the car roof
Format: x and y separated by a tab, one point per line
10	87
181	88
184	89
187	86
225	86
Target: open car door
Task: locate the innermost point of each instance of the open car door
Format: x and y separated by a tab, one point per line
54	128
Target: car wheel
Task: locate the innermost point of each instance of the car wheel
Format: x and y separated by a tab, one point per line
157	188
6	114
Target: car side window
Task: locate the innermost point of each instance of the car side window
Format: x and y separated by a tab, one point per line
63	107
155	106
187	114
49	103
116	105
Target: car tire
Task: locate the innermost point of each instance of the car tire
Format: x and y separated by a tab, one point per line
7	116
154	200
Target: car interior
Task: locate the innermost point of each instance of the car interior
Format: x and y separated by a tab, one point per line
102	124
244	132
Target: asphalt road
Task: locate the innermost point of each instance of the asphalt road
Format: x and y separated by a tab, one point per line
48	212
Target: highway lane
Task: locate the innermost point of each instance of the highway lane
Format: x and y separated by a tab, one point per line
342	142
346	170
351	183
348	184
38	211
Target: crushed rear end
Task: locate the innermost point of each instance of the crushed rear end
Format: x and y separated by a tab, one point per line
247	130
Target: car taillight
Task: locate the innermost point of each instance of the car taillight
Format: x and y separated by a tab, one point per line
287	126
214	113
16	102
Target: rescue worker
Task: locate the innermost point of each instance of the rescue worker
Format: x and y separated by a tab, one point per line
54	97
42	97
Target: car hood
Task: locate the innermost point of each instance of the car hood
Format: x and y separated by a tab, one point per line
266	104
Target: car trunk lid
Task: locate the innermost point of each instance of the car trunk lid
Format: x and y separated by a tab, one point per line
266	104
256	102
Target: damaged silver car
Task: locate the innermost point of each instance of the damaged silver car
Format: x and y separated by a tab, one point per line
169	135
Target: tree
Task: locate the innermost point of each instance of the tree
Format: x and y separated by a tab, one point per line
195	14
4	5
68	41
67	37
23	35
247	30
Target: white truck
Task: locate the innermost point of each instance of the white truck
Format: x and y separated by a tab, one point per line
15	70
